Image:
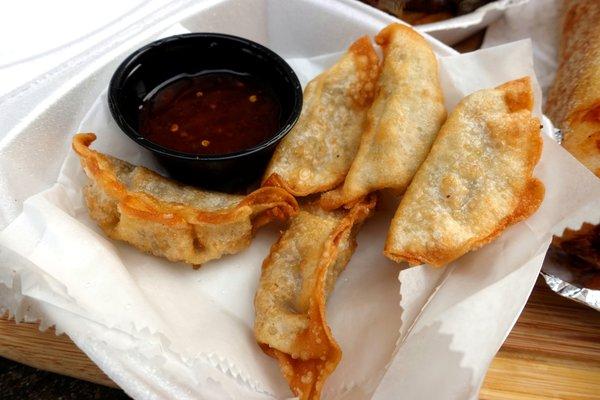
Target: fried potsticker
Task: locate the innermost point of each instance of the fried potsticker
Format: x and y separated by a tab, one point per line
403	121
476	181
163	218
316	155
296	279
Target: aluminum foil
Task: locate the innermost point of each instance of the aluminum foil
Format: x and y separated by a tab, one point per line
558	136
586	296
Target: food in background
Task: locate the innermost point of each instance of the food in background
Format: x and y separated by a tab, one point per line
417	12
296	279
402	122
574	106
476	181
574	100
166	219
316	154
580	250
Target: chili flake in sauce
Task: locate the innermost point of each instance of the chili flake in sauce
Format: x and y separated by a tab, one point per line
213	113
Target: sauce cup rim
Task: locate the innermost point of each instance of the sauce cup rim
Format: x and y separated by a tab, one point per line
124	69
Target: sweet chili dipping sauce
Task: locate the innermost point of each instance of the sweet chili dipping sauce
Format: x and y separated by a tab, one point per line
218	112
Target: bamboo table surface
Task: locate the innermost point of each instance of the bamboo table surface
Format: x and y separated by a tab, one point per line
553	352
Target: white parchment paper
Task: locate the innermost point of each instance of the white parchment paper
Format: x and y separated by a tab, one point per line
162	330
537	20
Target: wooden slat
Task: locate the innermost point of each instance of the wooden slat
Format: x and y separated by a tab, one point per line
553	352
523	375
25	343
557	327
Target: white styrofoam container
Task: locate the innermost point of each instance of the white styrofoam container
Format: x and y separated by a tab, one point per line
453	30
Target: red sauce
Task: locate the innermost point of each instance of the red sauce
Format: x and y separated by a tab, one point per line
212	113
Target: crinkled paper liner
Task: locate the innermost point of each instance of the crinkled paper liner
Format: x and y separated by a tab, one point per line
144	348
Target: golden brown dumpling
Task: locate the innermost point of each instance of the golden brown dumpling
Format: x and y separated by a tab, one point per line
316	155
166	219
296	279
403	121
476	181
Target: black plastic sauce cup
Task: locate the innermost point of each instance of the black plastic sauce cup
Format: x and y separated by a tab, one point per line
152	65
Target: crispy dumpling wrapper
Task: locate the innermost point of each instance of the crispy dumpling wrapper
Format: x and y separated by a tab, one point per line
476	181
403	121
296	279
316	154
574	100
166	219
